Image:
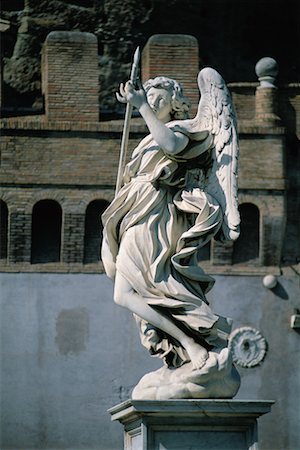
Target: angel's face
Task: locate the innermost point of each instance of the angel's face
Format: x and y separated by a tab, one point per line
160	101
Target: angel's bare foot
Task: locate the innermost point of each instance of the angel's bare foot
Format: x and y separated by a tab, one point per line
197	353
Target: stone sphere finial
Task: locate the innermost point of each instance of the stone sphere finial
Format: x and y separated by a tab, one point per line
270	281
267	70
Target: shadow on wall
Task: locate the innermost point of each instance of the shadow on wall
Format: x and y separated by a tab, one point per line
279	291
93	231
246	248
3	229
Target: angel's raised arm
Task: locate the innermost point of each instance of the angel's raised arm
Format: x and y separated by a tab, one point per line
156	114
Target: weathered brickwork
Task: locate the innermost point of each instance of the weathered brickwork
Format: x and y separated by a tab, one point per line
243	96
19	241
262	153
43	157
289	108
73	238
266	107
73	202
68	157
287	105
272	220
70	76
221	254
3	229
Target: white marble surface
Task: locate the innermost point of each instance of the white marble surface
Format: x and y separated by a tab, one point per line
179	192
217	379
190	424
267	70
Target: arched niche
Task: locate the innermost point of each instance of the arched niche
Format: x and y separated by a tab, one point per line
3	229
246	247
93	231
46	232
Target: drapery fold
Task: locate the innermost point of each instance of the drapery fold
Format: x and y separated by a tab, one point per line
153	231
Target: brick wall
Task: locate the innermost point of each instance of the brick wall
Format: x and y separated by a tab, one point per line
36	154
73	233
70	76
72	159
262	153
19	240
288	105
76	169
91	158
73	202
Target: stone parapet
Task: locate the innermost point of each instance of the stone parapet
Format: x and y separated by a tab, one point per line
201	424
42	123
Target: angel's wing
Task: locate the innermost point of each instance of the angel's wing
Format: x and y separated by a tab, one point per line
216	115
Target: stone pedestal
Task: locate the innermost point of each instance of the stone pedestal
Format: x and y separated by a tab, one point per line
190	424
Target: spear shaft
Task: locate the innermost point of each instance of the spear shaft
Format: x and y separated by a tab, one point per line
128	113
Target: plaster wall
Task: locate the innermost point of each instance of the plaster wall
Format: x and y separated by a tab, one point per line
69	353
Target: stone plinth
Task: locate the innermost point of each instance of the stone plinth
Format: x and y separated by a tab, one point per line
190	424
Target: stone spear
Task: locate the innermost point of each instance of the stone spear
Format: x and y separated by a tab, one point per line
124	143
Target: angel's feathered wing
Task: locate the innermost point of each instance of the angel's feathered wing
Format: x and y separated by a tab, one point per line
216	115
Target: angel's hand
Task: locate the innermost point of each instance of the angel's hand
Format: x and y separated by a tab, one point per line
128	94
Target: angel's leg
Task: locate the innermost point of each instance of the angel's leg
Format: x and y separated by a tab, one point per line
125	296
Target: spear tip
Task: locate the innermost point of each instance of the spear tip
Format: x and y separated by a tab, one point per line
136	57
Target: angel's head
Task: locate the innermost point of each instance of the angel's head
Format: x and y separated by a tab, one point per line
166	99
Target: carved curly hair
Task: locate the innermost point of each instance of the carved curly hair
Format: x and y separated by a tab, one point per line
180	104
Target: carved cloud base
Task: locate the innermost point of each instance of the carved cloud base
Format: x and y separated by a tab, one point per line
217	379
190	424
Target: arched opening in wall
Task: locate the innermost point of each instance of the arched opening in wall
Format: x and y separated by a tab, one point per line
3	229
46	232
246	248
93	231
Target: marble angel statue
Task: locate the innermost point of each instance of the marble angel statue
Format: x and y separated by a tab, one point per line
179	192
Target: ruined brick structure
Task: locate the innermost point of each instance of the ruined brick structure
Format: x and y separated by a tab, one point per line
68	352
68	158
70	77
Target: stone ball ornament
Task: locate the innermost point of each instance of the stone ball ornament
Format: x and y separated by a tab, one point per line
270	281
248	347
267	70
266	67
